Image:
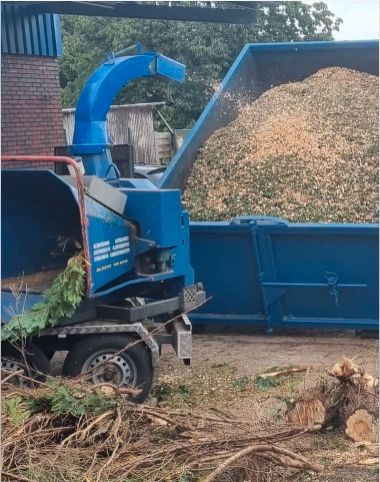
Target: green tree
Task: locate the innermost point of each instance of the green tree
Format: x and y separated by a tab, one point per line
207	50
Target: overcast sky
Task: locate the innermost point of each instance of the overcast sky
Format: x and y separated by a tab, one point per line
360	18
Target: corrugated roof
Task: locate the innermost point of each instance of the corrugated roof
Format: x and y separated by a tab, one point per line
27	33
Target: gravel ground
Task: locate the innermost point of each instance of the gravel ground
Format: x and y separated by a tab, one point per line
250	351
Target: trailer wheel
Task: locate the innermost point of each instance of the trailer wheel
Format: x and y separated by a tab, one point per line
131	368
12	360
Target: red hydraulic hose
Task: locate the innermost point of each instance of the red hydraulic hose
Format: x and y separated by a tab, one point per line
81	198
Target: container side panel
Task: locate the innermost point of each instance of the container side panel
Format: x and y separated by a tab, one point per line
325	274
287	274
224	261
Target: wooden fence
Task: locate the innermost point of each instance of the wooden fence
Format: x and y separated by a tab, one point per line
150	147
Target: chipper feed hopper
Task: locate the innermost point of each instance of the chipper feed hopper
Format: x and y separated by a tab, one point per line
134	238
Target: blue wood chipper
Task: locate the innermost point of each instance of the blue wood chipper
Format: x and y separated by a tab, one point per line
135	239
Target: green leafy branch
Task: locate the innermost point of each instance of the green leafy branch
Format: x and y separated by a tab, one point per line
61	301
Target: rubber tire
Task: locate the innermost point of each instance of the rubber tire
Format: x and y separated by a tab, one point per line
49	354
34	356
140	355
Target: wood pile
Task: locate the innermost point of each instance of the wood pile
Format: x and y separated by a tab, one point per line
304	151
70	430
349	399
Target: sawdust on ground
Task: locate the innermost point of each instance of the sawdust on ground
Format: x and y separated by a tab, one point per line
304	151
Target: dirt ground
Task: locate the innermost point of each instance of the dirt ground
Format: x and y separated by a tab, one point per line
252	351
223	376
241	355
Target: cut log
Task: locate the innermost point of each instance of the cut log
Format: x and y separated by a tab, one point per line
344	370
282	372
360	395
369	461
370	381
349	399
309	410
372	448
362	426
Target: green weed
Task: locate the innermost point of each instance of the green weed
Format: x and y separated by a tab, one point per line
75	402
15	411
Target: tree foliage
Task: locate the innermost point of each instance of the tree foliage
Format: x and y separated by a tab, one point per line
207	50
61	301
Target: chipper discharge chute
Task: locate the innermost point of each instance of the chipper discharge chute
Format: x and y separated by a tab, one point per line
132	237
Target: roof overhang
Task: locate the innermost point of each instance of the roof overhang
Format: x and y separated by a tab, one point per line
220	12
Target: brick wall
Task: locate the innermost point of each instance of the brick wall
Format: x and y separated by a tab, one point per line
31	110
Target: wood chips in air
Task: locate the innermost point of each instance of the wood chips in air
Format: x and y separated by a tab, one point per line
304	151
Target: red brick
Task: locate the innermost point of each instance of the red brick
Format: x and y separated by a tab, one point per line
31	105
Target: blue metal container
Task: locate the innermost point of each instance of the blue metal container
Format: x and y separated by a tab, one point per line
268	271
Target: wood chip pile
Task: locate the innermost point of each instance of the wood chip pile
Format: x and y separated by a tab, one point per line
304	151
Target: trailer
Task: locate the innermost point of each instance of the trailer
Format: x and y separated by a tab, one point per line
263	270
